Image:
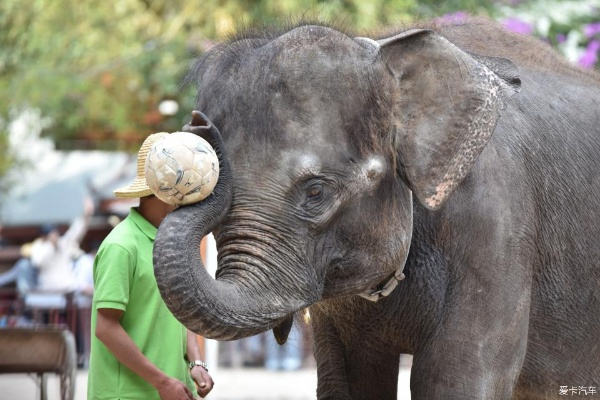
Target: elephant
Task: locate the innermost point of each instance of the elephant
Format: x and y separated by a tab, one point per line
433	191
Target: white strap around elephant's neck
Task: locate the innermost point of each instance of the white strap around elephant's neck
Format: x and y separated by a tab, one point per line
384	289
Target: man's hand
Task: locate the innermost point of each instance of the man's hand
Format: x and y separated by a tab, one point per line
88	207
173	389
203	380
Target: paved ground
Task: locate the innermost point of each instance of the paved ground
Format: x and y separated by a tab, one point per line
231	384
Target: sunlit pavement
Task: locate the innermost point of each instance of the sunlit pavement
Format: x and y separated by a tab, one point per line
231	384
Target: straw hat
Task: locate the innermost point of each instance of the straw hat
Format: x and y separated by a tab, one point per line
139	187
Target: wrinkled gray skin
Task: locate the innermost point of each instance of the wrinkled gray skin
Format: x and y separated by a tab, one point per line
340	155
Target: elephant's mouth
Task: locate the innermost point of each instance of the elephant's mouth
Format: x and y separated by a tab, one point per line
282	331
345	280
372	291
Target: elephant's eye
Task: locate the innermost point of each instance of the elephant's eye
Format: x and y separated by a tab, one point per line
318	195
315	190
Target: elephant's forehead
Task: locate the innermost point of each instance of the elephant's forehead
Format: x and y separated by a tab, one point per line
303	136
276	171
285	164
299	163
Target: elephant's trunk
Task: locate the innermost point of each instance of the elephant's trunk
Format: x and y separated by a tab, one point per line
217	309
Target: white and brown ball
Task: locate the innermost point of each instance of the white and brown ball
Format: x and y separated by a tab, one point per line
182	168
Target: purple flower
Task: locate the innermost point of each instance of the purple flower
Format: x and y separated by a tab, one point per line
590	56
518	26
561	38
453	18
592	29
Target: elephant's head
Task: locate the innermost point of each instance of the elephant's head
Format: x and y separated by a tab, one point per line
326	137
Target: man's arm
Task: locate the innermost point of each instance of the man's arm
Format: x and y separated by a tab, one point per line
110	332
199	374
79	226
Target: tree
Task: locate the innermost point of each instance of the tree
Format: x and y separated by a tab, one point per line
97	69
101	70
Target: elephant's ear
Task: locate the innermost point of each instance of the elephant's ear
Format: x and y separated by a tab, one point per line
446	104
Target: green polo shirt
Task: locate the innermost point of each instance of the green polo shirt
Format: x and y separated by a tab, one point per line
124	280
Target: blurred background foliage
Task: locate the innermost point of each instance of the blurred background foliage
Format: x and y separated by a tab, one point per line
104	75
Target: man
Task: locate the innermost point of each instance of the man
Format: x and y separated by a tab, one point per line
53	254
139	349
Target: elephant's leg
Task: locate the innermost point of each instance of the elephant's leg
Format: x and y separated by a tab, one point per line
474	354
329	355
353	365
452	370
372	371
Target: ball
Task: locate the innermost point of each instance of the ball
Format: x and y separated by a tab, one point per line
182	168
